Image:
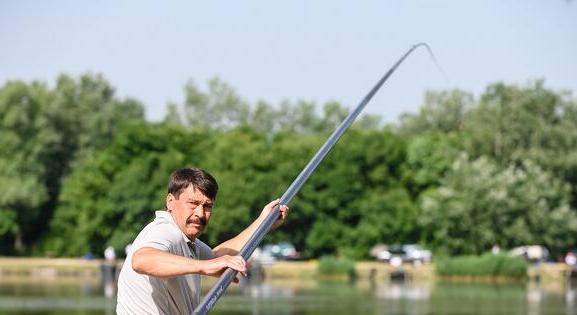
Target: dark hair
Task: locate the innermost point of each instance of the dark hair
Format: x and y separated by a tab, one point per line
200	179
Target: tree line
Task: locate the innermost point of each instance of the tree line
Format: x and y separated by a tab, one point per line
81	169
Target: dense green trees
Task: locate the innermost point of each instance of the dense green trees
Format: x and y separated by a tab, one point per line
479	205
518	174
43	132
81	169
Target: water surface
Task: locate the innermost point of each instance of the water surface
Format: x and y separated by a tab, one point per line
89	297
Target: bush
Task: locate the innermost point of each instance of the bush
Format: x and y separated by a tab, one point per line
485	265
332	266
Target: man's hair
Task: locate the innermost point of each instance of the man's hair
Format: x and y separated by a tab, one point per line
200	179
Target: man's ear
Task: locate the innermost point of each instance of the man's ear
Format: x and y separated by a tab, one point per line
169	200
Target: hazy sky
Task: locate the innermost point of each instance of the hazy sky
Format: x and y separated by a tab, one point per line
274	50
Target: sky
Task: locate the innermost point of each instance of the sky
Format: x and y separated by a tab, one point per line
292	50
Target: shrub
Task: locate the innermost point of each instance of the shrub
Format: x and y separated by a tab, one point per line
332	266
485	265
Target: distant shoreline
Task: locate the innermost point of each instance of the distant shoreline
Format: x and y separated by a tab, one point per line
50	267
365	270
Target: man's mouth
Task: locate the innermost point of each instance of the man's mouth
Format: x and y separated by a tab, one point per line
196	220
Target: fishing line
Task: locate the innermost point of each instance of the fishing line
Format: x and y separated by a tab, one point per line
435	61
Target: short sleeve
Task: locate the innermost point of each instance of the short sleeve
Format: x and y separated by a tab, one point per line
204	251
160	236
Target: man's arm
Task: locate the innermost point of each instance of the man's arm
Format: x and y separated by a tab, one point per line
155	262
235	244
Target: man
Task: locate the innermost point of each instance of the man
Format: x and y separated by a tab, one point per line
161	274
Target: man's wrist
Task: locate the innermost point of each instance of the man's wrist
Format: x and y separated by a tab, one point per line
197	266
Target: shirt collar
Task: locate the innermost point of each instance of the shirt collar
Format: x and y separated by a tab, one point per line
163	214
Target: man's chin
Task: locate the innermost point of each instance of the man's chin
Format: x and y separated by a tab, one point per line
193	233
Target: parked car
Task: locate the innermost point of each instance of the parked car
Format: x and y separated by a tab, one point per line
261	257
397	254
282	251
415	253
271	253
532	253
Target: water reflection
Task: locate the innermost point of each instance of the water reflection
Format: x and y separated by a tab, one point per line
265	290
570	296
93	296
403	291
403	297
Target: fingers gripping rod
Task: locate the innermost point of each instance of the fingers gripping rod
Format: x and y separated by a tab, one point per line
216	292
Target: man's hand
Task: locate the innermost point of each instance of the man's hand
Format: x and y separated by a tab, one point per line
283	212
235	244
215	267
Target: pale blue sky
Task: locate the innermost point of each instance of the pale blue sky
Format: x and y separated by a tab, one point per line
273	50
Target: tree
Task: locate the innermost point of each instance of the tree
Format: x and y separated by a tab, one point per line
221	108
442	111
429	156
113	194
512	124
43	132
365	165
480	205
25	135
241	161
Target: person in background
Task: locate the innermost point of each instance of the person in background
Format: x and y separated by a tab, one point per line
110	254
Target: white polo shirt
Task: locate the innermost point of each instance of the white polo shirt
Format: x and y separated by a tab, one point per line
142	294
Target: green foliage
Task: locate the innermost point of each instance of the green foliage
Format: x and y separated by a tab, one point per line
333	266
442	112
42	133
241	161
364	166
522	144
221	108
485	265
429	158
479	205
512	124
251	170
112	195
81	169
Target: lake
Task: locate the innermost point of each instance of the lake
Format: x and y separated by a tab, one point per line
78	296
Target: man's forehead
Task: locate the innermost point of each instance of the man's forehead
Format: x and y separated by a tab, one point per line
191	192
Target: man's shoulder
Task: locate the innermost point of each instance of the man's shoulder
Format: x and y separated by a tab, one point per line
160	228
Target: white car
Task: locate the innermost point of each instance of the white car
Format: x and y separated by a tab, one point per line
532	253
398	254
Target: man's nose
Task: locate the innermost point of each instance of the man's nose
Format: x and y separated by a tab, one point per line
199	210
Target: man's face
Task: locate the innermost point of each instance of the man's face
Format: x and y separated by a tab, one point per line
191	211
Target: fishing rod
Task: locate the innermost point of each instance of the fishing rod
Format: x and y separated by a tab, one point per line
218	289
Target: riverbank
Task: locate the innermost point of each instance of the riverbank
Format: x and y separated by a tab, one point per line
51	267
372	270
364	270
